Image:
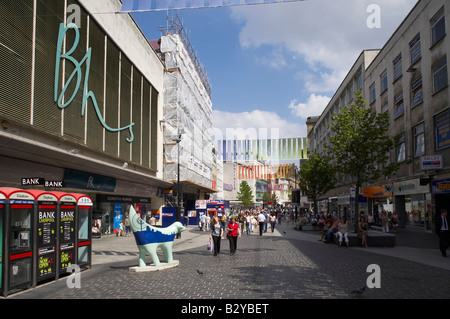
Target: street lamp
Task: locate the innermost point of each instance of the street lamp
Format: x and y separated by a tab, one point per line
178	140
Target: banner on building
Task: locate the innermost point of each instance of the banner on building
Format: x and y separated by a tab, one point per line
159	5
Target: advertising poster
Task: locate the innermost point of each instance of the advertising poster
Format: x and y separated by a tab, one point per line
46	239
117	215
67	236
442	124
67	224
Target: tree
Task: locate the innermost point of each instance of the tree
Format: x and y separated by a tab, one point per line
245	195
360	145
270	198
266	198
316	177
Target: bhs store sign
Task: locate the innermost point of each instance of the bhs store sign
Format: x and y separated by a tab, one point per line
77	74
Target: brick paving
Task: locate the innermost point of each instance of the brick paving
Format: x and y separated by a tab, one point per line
287	264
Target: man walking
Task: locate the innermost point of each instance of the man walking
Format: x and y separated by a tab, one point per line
261	220
443	232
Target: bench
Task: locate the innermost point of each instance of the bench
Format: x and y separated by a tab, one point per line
374	239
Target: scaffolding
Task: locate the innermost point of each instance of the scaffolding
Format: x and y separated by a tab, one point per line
187	110
174	25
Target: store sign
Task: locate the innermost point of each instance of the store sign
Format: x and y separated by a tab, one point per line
200	204
410	187
442	125
378	191
27	181
82	180
441	186
59	97
431	162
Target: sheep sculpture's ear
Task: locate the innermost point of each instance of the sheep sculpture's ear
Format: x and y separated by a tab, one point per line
136	223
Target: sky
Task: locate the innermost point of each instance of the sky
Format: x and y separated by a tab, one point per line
271	66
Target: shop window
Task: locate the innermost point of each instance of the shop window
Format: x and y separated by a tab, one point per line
440	76
437	27
419	140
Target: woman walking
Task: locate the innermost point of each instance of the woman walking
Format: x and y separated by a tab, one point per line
216	234
363	231
233	233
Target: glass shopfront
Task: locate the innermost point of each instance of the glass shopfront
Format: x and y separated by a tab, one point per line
114	210
415	200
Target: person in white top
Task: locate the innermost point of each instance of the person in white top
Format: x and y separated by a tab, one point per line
261	220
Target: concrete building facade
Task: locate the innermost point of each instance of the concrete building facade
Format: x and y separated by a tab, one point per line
408	79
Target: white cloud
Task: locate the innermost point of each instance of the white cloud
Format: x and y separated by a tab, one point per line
314	106
328	34
275	60
257	124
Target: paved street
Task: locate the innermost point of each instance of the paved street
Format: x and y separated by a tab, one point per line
287	264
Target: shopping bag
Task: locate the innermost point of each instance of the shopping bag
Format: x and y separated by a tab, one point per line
210	243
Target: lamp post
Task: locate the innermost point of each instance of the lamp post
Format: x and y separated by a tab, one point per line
178	140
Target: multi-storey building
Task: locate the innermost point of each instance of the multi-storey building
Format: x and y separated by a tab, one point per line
408	79
339	198
187	116
80	104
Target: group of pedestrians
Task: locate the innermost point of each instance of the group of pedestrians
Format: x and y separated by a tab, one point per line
244	223
332	225
232	231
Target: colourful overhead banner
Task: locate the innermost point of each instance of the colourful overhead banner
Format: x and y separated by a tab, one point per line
158	5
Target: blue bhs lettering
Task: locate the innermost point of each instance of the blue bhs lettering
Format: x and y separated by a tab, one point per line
77	72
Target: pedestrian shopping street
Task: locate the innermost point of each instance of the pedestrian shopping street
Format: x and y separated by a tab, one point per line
286	264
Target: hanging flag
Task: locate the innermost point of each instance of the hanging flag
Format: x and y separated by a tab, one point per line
159	5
